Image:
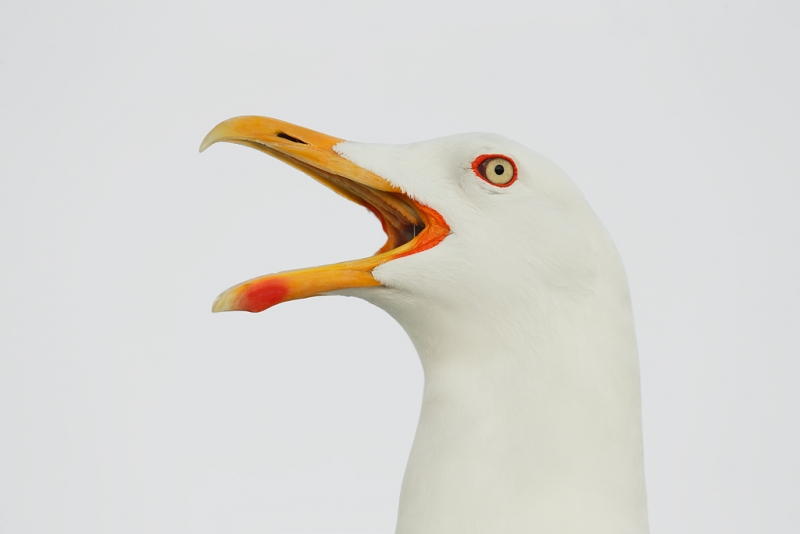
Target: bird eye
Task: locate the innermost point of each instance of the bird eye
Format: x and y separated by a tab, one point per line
495	169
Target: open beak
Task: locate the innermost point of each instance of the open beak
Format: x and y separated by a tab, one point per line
410	226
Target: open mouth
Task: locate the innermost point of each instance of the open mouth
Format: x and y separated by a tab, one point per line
410	226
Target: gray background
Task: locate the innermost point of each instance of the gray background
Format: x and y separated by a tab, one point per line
126	406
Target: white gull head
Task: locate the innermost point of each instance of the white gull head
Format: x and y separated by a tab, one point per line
521	316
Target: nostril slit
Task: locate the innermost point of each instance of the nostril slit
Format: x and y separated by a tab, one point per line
290	138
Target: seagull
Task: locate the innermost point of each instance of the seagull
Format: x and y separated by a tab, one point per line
517	303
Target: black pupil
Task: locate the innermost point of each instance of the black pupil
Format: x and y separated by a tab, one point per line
499	169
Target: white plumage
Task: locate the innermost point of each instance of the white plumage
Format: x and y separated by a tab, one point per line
530	417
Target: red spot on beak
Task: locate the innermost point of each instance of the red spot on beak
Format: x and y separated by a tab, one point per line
264	294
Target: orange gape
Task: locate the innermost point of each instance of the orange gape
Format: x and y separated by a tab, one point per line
436	229
410	226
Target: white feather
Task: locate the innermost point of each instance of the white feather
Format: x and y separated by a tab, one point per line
530	418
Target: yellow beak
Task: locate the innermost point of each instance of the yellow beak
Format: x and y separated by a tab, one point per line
410	226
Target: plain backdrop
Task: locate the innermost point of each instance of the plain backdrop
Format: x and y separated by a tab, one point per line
127	407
